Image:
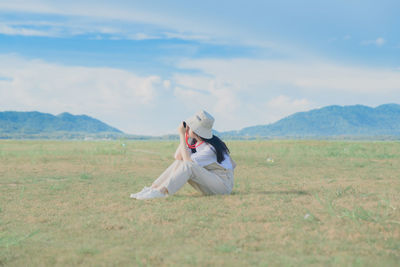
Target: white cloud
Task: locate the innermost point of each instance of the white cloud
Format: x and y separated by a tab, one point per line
167	84
78	9
378	42
7	30
116	20
202	92
100	28
282	106
129	20
104	92
191	98
142	36
79	26
315	76
186	36
287	102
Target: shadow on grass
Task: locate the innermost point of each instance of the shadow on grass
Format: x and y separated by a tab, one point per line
280	192
237	193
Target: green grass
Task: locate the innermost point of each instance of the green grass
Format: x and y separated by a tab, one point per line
316	203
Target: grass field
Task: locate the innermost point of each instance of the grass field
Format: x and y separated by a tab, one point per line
294	203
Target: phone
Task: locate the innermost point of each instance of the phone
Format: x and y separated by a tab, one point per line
184	124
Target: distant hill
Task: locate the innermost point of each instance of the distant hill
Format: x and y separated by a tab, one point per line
34	123
331	121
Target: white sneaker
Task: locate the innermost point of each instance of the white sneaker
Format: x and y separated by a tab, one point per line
144	190
153	193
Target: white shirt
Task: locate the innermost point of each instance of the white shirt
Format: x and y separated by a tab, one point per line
205	155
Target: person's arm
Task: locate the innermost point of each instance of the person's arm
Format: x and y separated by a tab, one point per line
182	151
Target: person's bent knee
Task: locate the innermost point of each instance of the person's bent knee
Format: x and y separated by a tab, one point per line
188	163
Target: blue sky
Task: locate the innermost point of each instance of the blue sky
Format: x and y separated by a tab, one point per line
144	66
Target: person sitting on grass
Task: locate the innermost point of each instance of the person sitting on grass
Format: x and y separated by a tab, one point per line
204	162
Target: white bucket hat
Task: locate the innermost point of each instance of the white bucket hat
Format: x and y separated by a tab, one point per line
201	124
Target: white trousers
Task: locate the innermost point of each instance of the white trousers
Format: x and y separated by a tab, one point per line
210	180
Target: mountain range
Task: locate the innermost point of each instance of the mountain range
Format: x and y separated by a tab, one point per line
330	121
36	123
